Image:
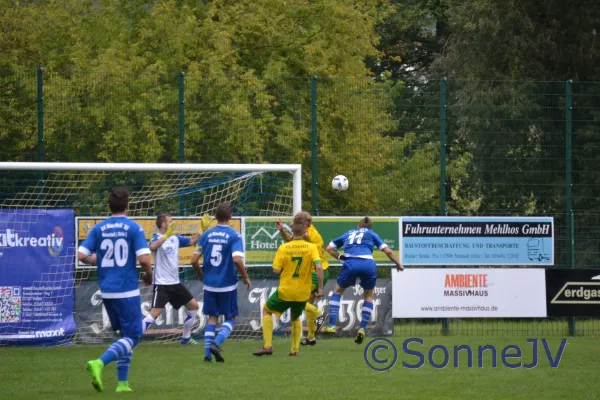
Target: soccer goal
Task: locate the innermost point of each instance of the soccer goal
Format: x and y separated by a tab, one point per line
46	209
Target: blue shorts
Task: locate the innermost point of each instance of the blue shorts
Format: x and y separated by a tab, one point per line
125	315
220	303
355	268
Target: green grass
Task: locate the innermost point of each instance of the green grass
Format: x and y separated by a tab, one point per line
334	369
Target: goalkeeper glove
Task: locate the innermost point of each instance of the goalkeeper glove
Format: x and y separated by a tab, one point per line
170	230
205	222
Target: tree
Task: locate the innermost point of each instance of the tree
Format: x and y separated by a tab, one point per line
111	88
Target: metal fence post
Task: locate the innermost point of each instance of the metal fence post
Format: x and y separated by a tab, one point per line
181	126
40	114
569	185
181	82
443	182
315	146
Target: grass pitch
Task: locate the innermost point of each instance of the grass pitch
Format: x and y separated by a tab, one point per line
333	369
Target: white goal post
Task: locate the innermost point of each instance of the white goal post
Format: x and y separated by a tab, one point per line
296	169
45	299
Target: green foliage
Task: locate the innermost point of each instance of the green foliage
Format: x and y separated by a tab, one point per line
111	89
111	93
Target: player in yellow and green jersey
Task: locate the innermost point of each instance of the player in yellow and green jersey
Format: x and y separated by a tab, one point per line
294	262
315	319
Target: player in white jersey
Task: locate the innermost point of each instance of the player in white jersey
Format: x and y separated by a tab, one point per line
165	247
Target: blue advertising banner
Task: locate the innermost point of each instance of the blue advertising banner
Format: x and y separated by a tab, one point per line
477	240
36	276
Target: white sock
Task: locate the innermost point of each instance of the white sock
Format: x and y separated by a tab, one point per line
146	322
188	324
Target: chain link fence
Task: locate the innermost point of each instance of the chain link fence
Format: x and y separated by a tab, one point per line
436	147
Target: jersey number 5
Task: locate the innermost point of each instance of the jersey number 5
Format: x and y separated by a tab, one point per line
216	255
298	261
116	252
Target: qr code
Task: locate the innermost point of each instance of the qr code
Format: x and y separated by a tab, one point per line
10	304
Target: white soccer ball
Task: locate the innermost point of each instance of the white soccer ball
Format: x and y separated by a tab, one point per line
340	182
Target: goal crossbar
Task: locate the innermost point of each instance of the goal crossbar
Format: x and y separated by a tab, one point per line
295	169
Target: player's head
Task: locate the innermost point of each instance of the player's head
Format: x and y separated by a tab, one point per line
366	222
306	216
299	226
163	221
118	200
223	212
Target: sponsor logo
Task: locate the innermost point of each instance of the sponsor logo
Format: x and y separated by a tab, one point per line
54	241
579	293
465	285
264	239
56	246
48	334
265	232
476	229
536	249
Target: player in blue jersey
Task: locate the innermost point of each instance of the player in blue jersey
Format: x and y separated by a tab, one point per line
165	245
116	242
223	251
358	262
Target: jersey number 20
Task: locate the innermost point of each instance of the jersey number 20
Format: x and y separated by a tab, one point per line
116	252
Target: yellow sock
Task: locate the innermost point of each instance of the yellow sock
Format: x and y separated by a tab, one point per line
267	328
312	313
296	335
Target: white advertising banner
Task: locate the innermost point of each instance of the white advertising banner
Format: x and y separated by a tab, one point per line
469	293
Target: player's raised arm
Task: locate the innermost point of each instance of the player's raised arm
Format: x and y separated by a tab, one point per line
204	224
156	241
193	240
285	235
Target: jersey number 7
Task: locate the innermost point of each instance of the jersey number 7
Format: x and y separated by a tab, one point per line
298	261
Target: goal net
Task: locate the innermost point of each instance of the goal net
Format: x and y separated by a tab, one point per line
47	209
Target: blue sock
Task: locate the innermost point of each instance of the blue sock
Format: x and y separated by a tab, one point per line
117	350
225	331
209	337
334	308
123	365
367	310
